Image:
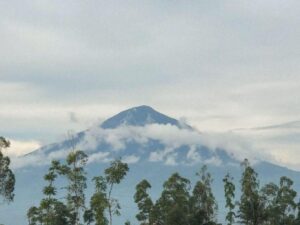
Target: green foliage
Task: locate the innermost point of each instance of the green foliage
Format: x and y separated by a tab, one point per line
174	200
98	203
75	173
251	205
143	201
50	211
102	200
280	202
229	190
204	205
7	177
53	212
127	223
116	172
114	175
178	204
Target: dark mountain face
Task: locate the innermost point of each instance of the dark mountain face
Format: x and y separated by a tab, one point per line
139	116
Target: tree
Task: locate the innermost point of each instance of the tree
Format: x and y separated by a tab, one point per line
269	194
34	216
51	211
102	201
281	205
76	175
114	175
229	189
144	202
98	203
127	222
7	177
297	219
203	203
251	205
286	200
156	216
172	208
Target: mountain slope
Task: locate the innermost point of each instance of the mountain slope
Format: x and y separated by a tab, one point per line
139	116
139	134
154	145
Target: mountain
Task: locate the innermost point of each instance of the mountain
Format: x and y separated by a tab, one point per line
139	134
153	144
139	116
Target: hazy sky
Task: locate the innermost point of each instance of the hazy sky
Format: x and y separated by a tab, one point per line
223	65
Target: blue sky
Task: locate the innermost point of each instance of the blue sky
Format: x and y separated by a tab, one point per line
223	65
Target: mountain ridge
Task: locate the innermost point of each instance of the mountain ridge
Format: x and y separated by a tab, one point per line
140	116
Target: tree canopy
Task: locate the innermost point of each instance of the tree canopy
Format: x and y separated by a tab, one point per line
7	177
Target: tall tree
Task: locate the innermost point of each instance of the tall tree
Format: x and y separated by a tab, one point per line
229	189
172	208
269	194
143	201
114	175
102	201
50	211
98	203
297	219
7	177
34	216
157	216
203	202
74	170
286	199
280	202
251	205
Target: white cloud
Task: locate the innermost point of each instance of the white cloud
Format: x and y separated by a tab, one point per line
279	143
130	159
172	138
252	144
193	156
171	160
30	161
99	157
18	148
214	161
60	154
161	155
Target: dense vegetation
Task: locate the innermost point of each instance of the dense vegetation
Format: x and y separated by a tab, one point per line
7	178
180	202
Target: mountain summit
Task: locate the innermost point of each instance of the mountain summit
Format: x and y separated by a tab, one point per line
139	116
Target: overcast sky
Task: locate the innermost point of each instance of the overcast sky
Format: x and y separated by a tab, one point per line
225	66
